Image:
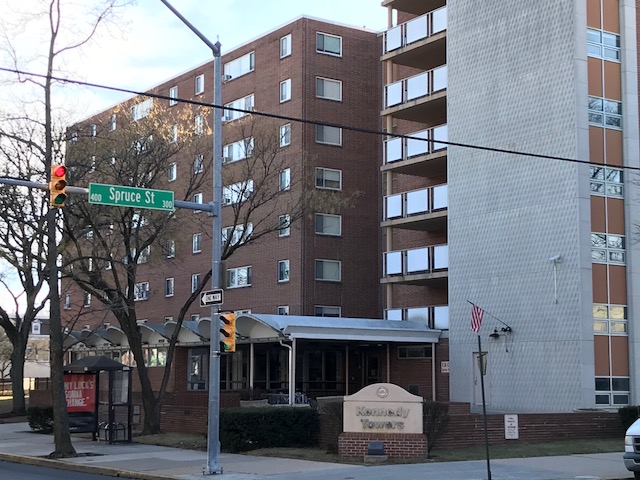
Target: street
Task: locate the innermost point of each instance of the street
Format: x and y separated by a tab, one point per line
17	471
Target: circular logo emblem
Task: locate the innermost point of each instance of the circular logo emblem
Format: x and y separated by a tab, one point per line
382	392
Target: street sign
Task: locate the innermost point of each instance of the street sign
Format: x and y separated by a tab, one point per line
121	196
211	297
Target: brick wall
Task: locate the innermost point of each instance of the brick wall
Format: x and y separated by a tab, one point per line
406	445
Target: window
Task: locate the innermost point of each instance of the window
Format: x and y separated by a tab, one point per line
199	87
238	192
328	135
610	319
145	253
232	152
199	125
198	368
237	235
245	103
93	130
329	44
194	317
112	122
142	109
240	66
603	45
285	135
283	271
169	284
612	390
36	327
606	181
67	301
173	95
283	310
328	270
74	137
195	282
285	90
284	225
138	220
141	291
238	277
197	198
285	46
174	133
328	224
86	301
284	179
607	248
196	243
414	351
328	178
170	249
329	89
606	113
327	311
198	164
172	172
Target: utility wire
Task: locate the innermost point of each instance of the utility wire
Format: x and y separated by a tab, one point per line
313	122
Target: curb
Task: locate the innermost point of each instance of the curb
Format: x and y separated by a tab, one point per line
81	468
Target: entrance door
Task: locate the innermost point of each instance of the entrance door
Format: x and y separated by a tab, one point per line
477	383
372	368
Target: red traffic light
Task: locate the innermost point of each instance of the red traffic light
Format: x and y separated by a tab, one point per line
57	186
59	171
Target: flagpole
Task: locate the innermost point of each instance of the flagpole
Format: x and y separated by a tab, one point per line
481	367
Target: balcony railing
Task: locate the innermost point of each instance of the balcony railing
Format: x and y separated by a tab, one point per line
415	30
433	316
416	202
397	149
416	260
412	88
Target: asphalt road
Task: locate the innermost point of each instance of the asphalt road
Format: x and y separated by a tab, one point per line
17	471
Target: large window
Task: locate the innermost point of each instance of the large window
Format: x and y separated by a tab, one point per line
327	311
169	287
237	235
239	277
196	243
328	135
605	113
240	66
141	291
610	319
328	224
328	89
285	46
283	271
603	44
328	270
142	109
238	192
328	178
198	368
607	248
173	96
612	390
245	103
285	90
329	44
232	152
606	181
199	85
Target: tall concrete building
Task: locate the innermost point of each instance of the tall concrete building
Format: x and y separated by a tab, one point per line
546	246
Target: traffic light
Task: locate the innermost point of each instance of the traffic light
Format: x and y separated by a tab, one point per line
228	332
58	185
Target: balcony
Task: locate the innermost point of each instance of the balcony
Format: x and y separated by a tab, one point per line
436	317
416	7
413	156
420	43
417	266
424	210
418	98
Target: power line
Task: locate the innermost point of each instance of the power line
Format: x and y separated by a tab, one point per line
314	122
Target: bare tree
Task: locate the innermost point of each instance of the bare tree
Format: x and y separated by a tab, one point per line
5	355
61	38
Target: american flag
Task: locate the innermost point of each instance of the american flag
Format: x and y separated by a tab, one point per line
476	318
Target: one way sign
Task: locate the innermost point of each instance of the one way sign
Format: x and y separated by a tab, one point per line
211	297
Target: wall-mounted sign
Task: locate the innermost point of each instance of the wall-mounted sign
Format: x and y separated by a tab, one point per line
511	431
444	367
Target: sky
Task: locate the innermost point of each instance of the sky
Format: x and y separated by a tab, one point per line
147	45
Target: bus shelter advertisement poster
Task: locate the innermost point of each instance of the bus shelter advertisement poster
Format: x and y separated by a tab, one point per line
80	392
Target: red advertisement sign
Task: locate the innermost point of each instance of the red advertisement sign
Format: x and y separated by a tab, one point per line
80	392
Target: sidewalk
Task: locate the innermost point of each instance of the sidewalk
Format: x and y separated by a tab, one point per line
19	444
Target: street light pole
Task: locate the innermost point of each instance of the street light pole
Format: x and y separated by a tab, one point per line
213	430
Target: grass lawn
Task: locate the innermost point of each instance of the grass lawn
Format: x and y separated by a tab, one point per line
510	450
5	405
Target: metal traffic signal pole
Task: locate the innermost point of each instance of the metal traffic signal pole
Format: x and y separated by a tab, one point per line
213	431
